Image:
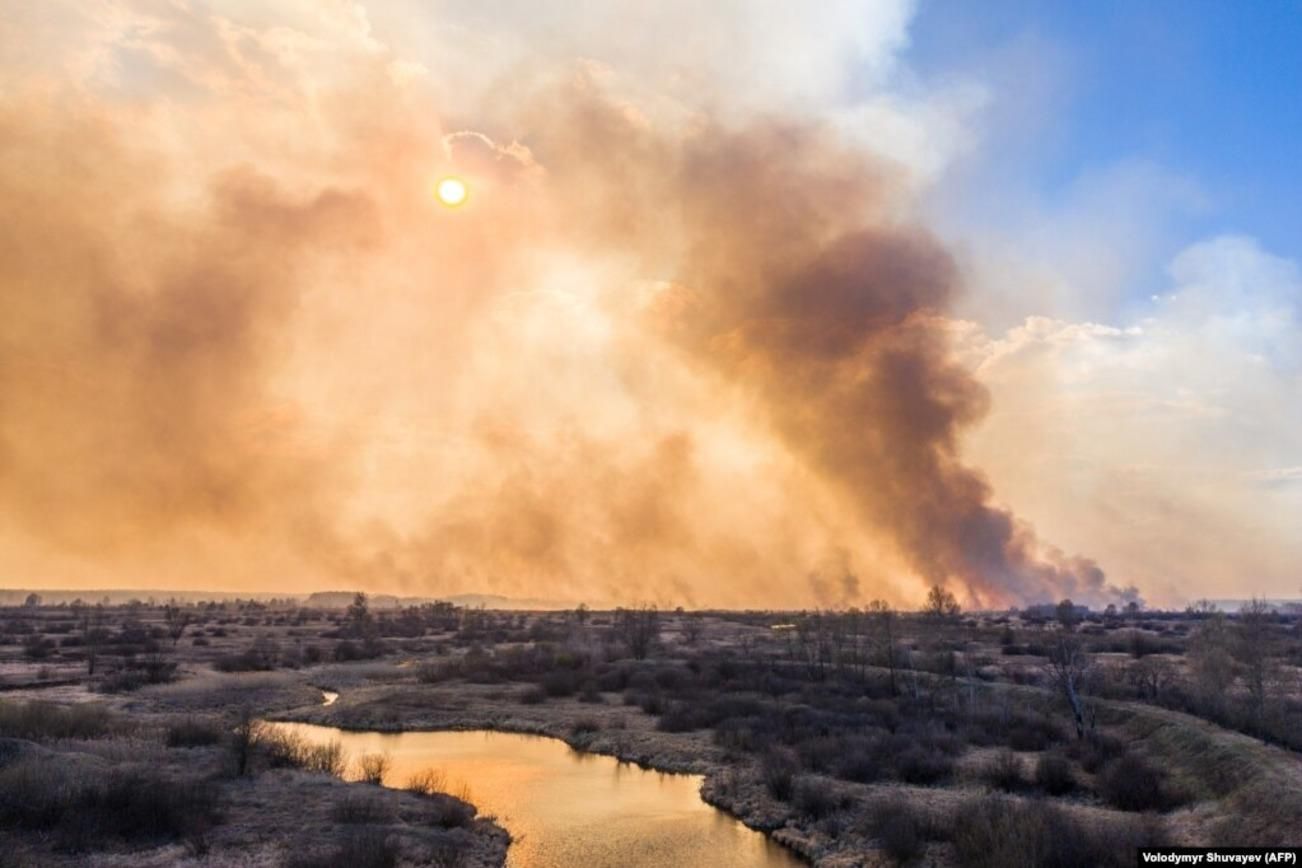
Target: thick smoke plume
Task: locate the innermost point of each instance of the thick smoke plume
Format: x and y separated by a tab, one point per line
795	287
697	360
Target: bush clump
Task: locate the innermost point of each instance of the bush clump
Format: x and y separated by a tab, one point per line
281	749
585	726
372	767
39	720
193	732
920	765
900	831
778	770
451	812
1004	771
1006	833
356	848
817	799
360	808
1053	774
83	809
1131	784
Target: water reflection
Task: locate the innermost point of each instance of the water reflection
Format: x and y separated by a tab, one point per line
568	808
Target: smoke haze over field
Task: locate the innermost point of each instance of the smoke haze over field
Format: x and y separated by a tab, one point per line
682	344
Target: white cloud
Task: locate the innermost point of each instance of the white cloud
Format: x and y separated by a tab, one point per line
1163	446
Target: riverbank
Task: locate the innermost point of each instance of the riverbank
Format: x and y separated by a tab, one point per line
605	727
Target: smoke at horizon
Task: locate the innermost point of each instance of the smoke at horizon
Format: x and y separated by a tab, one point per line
694	357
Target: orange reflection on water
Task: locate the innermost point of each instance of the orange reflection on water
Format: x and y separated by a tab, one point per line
566	808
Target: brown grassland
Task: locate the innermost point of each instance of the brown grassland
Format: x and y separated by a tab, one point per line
131	735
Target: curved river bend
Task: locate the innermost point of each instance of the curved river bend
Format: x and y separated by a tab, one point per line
565	808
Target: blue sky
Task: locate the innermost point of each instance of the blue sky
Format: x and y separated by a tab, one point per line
1210	92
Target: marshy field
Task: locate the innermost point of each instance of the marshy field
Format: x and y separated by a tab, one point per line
266	733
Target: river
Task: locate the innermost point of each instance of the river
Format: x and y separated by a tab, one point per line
566	808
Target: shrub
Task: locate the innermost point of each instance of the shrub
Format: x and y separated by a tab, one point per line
817	799
432	672
778	771
1095	752
326	759
585	726
37	647
429	782
259	657
900	832
358	848
1004	770
453	813
450	812
561	682
38	720
241	741
1131	784
1003	833
918	765
649	701
371	768
859	760
1053	774
361	808
83	809
282	749
193	732
1030	731
682	717
347	650
534	695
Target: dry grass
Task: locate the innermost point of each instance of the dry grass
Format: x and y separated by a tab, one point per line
281	749
429	782
372	767
41	721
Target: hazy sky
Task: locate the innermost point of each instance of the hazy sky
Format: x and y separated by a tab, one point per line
750	303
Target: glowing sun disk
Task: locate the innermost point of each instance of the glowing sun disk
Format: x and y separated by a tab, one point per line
451	191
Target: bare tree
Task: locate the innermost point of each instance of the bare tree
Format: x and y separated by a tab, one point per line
177	620
92	634
1151	677
941	604
1211	662
242	740
1252	651
884	619
1069	666
641	629
691	627
359	616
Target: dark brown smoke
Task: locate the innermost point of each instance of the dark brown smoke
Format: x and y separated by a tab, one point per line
836	326
796	286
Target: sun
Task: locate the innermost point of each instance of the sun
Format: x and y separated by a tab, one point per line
452	191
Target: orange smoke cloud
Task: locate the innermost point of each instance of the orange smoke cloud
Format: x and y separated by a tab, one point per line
689	361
